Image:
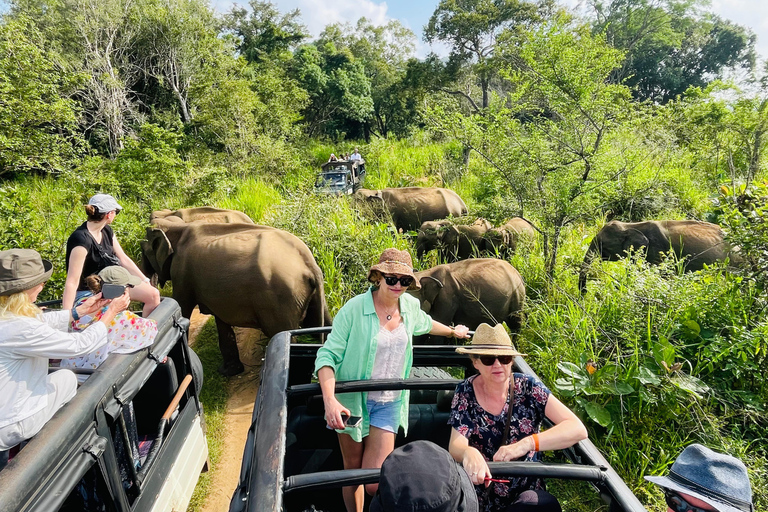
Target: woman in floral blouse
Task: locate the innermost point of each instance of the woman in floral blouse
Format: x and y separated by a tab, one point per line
479	417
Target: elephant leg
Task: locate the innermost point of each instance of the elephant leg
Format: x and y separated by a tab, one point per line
228	347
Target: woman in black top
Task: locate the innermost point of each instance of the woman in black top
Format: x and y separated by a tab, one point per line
93	246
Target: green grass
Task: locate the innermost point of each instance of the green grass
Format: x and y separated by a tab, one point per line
214	397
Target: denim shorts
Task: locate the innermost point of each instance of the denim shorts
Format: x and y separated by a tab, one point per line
384	415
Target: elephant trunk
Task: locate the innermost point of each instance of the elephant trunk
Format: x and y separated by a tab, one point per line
588	257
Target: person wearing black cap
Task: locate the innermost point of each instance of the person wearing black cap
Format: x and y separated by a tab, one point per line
29	337
422	477
703	480
92	247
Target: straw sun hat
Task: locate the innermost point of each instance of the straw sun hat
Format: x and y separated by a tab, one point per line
491	341
393	261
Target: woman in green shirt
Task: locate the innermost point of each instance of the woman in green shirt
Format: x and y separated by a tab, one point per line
372	338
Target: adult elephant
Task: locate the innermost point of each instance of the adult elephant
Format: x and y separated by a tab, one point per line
207	214
698	243
502	240
454	241
245	275
471	292
411	206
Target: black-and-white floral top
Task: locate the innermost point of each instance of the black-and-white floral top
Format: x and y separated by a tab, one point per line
485	431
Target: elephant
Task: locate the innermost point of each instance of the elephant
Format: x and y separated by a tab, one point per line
200	214
471	292
411	206
244	274
503	240
699	243
454	241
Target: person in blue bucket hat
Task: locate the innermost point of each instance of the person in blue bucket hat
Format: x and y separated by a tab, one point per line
703	480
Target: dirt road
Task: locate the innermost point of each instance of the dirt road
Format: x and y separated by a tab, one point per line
242	394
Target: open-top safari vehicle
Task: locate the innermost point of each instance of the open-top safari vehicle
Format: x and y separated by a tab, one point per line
85	458
292	462
340	177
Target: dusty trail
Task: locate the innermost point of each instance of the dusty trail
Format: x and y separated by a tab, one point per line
242	394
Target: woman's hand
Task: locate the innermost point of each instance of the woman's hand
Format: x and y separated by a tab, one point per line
475	466
116	306
461	331
514	451
333	410
91	305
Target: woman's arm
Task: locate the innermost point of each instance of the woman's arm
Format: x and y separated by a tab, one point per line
333	408
438	329
471	458
568	430
74	271
125	261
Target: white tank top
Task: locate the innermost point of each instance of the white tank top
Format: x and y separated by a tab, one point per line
389	361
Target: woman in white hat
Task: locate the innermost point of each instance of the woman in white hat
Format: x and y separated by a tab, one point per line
93	246
372	339
485	428
29	337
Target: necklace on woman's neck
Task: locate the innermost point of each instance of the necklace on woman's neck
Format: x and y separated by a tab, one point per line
390	313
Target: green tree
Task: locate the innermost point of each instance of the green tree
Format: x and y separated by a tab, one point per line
383	52
671	45
263	33
339	90
38	115
549	134
472	29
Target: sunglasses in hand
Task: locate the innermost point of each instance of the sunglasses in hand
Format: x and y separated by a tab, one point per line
489	360
404	280
678	503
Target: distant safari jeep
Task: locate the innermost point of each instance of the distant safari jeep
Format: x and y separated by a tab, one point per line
85	457
341	177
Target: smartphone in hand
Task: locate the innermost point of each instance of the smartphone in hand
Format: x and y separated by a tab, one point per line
112	291
351	421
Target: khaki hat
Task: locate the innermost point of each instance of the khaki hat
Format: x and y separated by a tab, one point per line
492	341
394	261
116	274
22	269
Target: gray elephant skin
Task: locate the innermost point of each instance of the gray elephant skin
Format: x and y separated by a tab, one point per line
207	214
471	292
699	243
411	206
245	275
454	241
459	241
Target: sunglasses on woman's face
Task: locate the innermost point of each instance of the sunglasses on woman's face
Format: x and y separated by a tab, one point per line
489	360
678	503
404	280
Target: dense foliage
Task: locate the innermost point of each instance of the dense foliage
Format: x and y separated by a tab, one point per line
534	113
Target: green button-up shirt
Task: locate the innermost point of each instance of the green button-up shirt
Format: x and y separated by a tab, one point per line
351	351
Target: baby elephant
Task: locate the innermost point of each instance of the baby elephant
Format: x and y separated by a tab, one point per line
471	292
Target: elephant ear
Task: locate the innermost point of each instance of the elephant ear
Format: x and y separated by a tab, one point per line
430	288
158	251
634	239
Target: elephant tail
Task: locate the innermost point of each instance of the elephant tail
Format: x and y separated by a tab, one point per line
588	257
317	309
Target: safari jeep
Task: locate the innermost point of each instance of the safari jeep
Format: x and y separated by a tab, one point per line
341	177
82	458
292	462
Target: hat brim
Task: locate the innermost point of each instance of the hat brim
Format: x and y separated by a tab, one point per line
29	283
666	483
489	351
